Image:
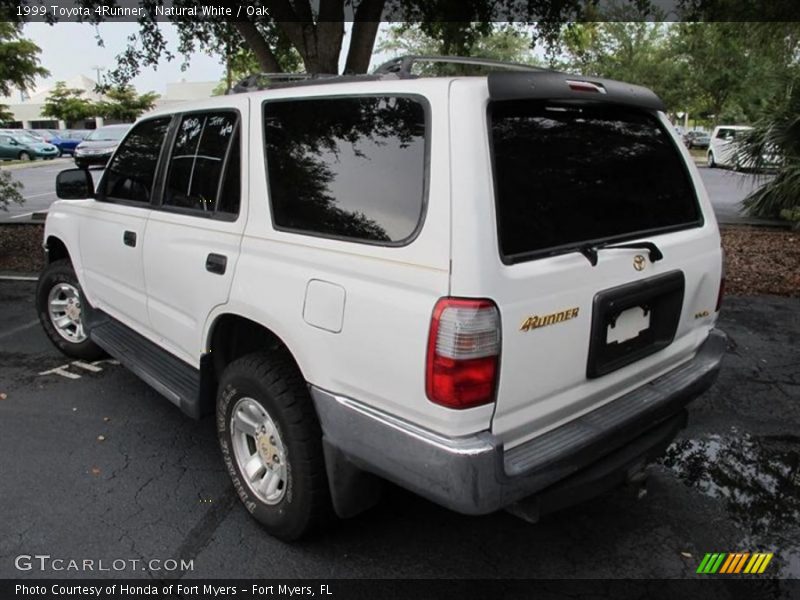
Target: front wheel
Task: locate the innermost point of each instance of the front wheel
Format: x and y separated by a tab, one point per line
711	162
271	443
58	302
24	156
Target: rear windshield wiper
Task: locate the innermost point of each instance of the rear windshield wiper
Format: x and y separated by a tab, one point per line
590	250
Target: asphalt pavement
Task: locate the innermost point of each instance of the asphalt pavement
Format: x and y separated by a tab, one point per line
96	465
39	187
726	189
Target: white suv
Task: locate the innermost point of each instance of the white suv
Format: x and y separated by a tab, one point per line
722	148
496	291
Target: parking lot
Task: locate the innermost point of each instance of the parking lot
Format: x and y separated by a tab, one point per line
96	465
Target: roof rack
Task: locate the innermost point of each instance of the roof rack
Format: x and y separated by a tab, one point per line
397	68
262	81
403	65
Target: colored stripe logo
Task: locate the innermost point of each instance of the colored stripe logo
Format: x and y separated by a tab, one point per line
734	563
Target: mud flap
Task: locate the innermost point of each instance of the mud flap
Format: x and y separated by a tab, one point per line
352	490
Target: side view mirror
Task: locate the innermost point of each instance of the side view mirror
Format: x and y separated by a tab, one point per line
13	142
74	184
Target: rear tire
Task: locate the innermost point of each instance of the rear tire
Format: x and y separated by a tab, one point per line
271	443
58	301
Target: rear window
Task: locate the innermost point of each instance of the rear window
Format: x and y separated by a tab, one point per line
566	176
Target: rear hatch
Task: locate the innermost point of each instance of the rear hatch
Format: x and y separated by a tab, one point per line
609	271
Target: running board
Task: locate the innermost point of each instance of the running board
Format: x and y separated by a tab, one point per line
168	375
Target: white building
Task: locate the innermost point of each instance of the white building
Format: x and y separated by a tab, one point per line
27	109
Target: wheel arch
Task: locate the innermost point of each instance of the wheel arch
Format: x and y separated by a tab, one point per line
231	336
55	249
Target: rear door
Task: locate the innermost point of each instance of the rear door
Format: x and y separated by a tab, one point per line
583	323
193	236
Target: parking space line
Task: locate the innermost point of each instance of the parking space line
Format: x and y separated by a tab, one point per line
18	329
40	195
20	216
86	366
63	370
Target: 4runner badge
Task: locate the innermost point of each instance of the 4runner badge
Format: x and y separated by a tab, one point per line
536	321
639	262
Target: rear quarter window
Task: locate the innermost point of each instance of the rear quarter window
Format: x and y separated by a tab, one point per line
351	168
571	175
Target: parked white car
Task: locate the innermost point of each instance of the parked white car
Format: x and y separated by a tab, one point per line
496	291
722	147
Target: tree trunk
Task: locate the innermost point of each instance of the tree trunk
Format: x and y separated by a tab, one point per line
264	55
362	38
319	44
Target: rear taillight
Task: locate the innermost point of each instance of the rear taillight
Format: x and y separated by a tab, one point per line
463	353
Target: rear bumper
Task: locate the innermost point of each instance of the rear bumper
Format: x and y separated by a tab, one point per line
475	475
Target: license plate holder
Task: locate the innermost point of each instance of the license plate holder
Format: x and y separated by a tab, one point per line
634	320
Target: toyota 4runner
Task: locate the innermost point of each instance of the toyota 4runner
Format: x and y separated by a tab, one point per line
496	291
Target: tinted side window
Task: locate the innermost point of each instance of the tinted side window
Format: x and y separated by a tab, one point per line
130	174
347	167
197	160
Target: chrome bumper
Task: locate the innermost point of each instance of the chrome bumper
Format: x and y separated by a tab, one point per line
475	475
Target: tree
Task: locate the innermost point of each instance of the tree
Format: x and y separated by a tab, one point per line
122	103
720	61
507	42
19	67
242	63
632	51
316	29
68	104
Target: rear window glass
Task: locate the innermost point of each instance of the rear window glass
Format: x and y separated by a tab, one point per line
347	167
570	175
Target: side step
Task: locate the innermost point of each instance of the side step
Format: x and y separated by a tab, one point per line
170	376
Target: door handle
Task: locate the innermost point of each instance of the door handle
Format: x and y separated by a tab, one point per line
216	263
129	238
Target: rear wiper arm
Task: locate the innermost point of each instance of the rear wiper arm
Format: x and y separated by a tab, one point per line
590	250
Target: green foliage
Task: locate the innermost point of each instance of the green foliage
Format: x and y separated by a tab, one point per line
243	63
9	190
68	104
632	51
122	103
19	67
777	134
5	114
19	60
499	42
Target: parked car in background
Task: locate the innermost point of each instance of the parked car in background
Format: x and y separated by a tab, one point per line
696	139
15	145
723	151
43	134
99	145
69	140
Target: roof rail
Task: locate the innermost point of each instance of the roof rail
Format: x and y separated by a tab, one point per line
268	81
399	68
262	81
402	65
